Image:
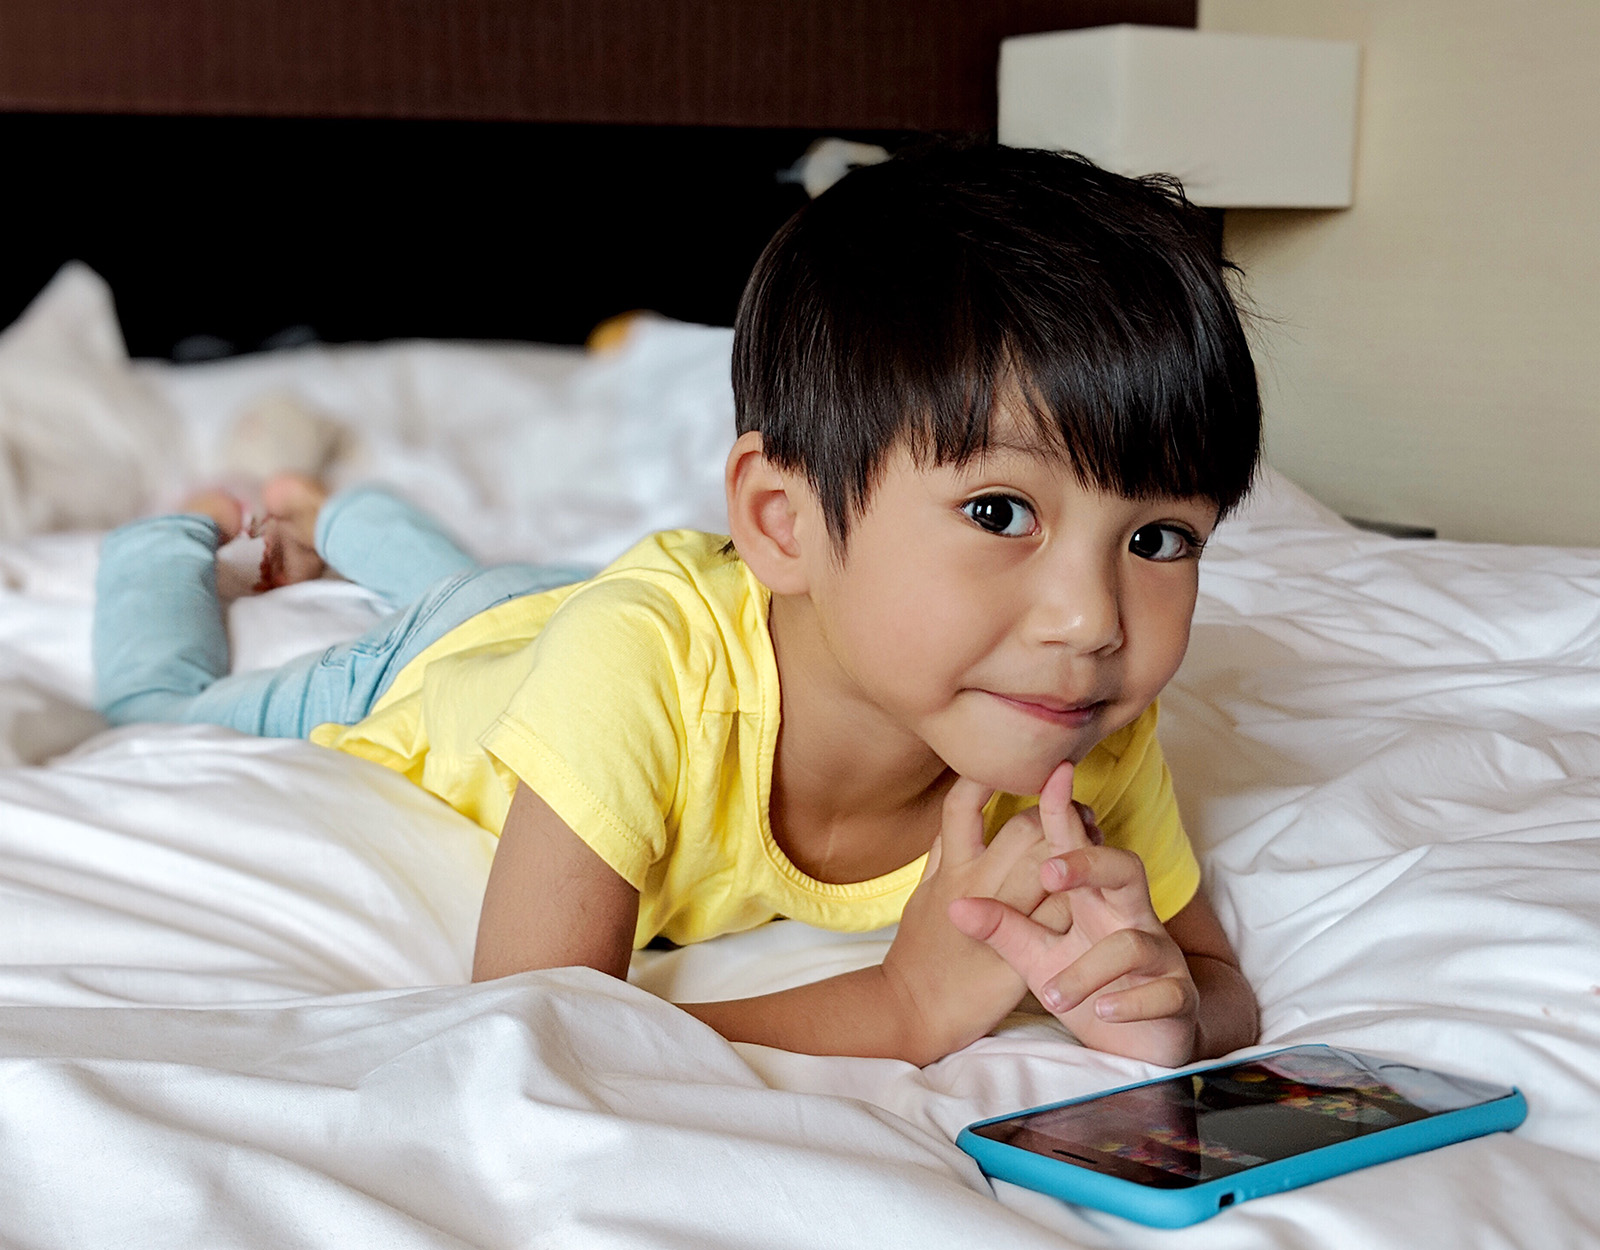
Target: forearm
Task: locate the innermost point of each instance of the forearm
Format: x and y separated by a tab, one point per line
1228	1017
855	1013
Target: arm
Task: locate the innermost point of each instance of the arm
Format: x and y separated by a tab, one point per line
1227	1018
552	902
854	1013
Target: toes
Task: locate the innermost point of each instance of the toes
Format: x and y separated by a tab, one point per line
222	508
284	560
293	495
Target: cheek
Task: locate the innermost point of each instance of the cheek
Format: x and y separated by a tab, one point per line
1161	636
923	629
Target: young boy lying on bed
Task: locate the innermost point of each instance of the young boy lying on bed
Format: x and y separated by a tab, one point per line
990	405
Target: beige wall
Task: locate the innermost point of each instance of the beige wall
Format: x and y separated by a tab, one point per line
1434	351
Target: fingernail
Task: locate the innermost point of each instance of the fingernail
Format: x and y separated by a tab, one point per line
1106	1009
1051	998
1055	872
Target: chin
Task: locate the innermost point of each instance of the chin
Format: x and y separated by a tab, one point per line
1008	752
1016	775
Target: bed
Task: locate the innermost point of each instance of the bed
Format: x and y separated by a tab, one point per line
234	971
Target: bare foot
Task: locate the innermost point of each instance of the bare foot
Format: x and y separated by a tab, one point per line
221	507
291	502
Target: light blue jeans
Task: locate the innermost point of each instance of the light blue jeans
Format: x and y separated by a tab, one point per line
161	644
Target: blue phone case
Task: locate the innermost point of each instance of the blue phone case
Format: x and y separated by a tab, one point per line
1175	1208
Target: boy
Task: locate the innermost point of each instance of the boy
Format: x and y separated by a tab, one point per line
991	404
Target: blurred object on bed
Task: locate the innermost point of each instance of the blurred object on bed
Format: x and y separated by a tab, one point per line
612	333
280	434
828	160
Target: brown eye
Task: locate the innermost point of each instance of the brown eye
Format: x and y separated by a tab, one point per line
1000	514
1162	543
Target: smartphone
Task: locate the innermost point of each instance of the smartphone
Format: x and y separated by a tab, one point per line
1178	1149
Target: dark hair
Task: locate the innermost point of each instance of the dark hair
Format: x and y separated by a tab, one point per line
902	303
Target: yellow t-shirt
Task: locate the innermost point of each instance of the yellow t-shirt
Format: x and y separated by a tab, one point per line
642	706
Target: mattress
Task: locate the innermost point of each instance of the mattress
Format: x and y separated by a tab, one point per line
234	999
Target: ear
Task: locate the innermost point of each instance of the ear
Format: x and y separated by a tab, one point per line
771	513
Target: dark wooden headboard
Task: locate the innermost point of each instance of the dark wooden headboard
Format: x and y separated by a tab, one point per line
479	168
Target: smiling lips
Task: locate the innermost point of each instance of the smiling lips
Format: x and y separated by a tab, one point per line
1054	711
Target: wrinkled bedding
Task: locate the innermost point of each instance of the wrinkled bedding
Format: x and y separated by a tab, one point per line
233	999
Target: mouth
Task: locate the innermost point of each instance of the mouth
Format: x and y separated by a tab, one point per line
1053	711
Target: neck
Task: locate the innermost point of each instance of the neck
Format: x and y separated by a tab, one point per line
854	794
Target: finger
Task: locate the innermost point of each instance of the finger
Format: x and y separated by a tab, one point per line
978	918
931	865
1020	886
1117	874
1053	913
1017	836
961	821
1011	935
1127	952
1160	999
1010	864
1063	824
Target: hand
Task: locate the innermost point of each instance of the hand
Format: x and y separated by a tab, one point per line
1111	973
952	988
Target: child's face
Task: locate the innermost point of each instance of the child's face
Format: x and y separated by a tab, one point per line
1006	615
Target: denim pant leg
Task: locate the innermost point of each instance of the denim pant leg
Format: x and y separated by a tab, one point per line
160	645
340	685
379	541
159	637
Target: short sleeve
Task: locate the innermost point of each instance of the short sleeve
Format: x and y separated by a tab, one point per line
1137	810
596	729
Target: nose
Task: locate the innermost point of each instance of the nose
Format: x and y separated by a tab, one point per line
1079	605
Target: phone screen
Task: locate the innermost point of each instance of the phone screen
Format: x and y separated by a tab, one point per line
1193	1128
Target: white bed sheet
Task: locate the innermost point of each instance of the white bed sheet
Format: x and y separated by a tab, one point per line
234	969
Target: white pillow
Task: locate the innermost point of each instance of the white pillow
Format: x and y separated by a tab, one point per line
84	442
